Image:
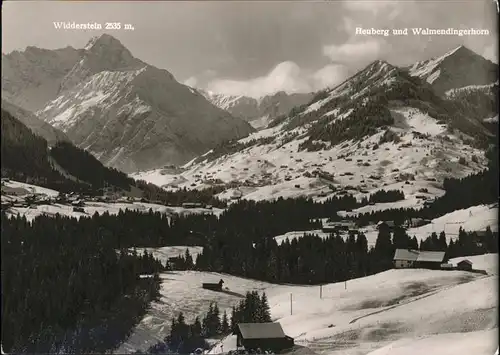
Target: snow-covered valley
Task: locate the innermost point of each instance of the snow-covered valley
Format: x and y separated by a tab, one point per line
387	313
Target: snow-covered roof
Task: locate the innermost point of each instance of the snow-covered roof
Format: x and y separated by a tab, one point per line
261	330
405	254
416	255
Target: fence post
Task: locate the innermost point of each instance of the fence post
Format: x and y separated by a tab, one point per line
291	307
320	291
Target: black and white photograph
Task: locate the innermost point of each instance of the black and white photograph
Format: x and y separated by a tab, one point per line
250	177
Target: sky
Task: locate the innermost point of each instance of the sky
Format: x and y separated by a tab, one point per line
260	47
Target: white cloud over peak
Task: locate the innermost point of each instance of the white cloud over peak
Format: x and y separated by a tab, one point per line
491	53
286	76
192	81
354	52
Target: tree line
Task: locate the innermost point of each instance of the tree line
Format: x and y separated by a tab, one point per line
65	289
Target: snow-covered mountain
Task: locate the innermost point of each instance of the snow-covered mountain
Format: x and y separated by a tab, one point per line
259	112
51	134
129	114
380	129
457	68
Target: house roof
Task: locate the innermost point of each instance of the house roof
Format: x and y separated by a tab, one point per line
405	254
261	330
432	256
416	255
465	261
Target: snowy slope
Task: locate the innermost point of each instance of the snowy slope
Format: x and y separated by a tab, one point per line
396	309
476	218
276	169
457	68
413	143
92	207
22	190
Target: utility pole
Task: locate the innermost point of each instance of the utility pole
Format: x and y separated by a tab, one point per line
291	307
321	291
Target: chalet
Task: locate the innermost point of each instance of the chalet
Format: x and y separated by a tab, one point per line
213	286
409	258
446	266
192	205
430	259
337	226
14	191
405	258
77	203
262	336
416	222
465	265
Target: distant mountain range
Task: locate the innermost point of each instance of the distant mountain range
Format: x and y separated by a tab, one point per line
135	117
259	112
404	128
127	113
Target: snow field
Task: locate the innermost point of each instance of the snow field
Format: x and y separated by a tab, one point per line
392	310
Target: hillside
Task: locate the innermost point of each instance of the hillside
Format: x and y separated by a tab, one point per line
129	114
259	112
46	131
396	307
27	157
33	77
381	128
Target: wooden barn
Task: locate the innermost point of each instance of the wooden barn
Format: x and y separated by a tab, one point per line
408	258
430	259
465	265
262	336
405	258
213	286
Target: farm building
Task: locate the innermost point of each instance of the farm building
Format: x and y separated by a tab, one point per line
447	266
213	286
404	258
408	258
337	226
14	191
192	205
416	222
430	259
263	336
464	265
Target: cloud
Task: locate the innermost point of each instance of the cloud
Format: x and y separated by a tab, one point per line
192	81
374	7
286	76
491	53
354	52
330	75
199	81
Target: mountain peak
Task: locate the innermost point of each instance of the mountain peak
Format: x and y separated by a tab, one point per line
104	40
